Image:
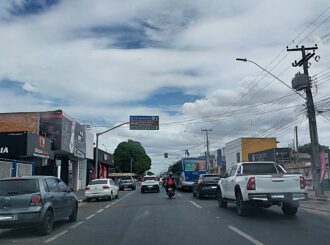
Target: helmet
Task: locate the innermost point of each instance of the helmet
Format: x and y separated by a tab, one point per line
170	174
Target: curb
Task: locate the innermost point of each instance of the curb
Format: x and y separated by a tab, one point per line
316	209
324	199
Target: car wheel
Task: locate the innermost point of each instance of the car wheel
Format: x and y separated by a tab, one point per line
110	197
88	199
198	195
142	191
194	192
47	224
241	210
73	216
221	202
117	195
289	210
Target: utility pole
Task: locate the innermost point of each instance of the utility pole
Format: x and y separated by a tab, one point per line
207	146
311	117
296	143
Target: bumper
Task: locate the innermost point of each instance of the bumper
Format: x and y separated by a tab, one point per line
275	198
97	194
126	185
210	190
8	221
150	188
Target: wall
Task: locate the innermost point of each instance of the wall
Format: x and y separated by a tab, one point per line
250	145
82	174
22	121
231	150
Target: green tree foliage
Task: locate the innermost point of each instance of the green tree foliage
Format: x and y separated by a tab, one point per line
307	148
131	151
150	173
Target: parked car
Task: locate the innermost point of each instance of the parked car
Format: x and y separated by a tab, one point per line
36	200
206	185
126	182
150	183
101	188
261	184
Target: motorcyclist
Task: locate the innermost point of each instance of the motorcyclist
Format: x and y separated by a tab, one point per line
168	181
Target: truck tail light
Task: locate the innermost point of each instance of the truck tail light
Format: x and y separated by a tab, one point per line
36	200
302	182
105	187
251	184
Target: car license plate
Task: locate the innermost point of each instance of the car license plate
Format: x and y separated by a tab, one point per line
149	186
169	189
214	187
278	196
8	217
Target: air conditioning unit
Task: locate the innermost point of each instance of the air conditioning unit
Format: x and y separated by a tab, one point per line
300	82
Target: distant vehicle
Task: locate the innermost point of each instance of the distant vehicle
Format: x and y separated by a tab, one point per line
188	171
150	183
101	188
126	182
206	185
36	200
261	184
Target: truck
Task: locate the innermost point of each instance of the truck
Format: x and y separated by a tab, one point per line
250	185
187	171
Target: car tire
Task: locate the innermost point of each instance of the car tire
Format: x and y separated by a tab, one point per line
289	210
142	191
88	199
241	209
74	214
194	192
198	195
117	196
47	224
221	202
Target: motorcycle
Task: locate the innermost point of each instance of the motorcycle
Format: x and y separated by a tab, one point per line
170	192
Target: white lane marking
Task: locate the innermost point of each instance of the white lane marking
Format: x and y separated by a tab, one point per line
246	236
74	226
108	206
99	211
90	216
180	195
195	204
55	237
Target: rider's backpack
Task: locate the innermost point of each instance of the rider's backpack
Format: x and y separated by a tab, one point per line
170	181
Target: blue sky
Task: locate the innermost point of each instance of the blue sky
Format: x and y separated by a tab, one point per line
101	61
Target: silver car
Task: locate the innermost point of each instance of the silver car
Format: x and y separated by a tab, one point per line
36	200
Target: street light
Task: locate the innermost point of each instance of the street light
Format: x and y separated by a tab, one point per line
251	61
97	144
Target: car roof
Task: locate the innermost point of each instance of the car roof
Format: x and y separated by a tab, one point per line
30	177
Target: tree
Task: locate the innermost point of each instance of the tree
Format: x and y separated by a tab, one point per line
131	151
150	173
307	148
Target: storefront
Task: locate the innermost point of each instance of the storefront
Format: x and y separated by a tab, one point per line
28	147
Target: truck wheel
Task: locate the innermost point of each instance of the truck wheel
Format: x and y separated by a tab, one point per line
289	210
221	202
241	210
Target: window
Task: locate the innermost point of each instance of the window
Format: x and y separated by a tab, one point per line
18	186
111	182
238	157
45	185
52	185
259	168
98	182
233	170
62	186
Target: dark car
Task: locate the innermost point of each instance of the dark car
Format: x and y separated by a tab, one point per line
36	200
126	182
206	185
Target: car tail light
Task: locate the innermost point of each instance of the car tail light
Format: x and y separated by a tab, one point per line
251	184
302	182
87	188
106	187
36	200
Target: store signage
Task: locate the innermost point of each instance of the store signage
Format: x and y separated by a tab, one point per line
4	150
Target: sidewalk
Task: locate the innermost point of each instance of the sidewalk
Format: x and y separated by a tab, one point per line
317	203
80	195
311	195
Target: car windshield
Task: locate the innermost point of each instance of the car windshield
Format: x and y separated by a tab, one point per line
18	186
259	168
98	182
211	178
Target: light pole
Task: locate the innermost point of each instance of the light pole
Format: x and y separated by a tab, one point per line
97	145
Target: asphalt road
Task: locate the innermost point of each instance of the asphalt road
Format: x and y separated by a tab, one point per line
152	218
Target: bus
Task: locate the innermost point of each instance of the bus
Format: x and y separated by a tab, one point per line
187	171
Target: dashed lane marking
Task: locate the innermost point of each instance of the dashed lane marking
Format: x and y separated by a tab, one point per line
99	211
246	236
55	237
195	204
108	206
180	195
90	216
76	225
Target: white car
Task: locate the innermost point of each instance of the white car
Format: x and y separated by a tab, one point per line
101	188
149	183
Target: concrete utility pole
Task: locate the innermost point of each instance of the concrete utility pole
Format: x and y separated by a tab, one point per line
311	117
296	143
207	146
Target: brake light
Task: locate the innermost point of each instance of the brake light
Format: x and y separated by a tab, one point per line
87	188
302	182
106	187
36	200
251	184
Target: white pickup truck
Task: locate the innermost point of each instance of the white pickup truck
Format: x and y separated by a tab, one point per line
261	184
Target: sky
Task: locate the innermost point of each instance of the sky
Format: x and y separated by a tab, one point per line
101	61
